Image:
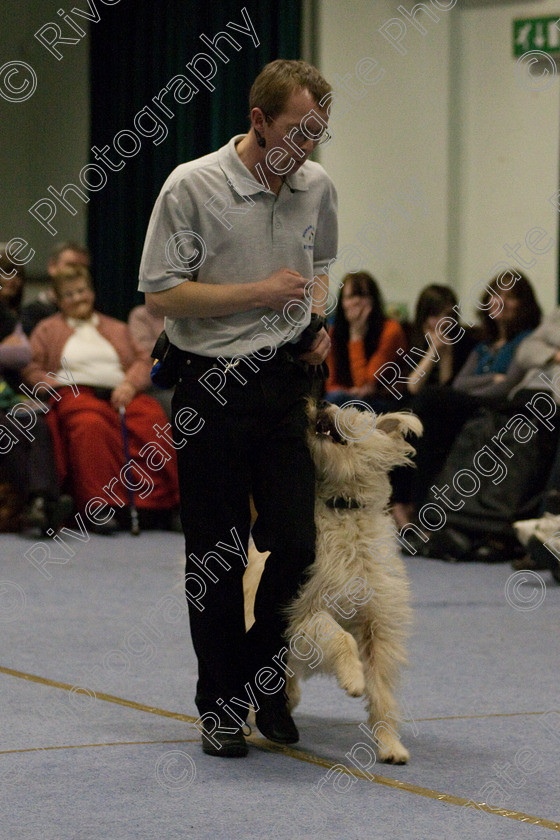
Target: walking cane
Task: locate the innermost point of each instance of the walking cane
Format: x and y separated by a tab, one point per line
134	524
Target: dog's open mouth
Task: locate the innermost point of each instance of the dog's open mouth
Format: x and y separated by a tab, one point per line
326	427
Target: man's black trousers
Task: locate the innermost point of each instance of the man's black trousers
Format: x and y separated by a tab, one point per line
255	443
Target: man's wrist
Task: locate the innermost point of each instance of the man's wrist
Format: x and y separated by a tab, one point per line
256	294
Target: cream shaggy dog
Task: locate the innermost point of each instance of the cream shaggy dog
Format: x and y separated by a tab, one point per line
353	610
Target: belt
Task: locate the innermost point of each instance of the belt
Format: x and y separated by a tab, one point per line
199	364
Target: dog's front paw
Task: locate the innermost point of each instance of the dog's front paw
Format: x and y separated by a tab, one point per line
394	754
352	680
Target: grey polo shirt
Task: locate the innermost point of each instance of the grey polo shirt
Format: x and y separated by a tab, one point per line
213	222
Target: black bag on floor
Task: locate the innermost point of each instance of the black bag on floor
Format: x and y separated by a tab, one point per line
496	471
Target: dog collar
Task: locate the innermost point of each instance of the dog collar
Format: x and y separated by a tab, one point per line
340	503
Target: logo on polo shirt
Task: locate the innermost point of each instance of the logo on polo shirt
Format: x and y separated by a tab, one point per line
308	238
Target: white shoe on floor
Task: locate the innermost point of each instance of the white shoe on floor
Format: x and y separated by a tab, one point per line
524	529
543	528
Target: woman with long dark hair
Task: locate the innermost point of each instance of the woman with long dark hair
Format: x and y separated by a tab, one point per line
436	369
363	339
509	313
486	378
442	359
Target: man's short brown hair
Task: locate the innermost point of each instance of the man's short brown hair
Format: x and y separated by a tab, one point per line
276	81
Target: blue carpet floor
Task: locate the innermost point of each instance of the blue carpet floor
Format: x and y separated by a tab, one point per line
481	701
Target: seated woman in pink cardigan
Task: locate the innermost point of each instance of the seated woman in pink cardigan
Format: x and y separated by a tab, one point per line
110	371
363	340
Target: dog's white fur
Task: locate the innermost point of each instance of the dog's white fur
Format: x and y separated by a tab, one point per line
353	452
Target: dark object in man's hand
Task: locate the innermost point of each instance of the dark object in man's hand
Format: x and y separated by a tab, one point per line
309	334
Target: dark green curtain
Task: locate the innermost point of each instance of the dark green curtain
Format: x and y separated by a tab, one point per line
136	49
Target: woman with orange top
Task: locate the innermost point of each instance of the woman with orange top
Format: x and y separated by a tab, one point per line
363	340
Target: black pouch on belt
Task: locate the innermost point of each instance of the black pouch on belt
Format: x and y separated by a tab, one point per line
166	368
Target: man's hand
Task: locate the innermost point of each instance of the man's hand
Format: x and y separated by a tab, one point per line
282	287
319	350
122	395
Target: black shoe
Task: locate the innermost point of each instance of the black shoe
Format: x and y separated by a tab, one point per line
59	511
160	519
489	553
275	722
450	545
223	742
414	546
46	514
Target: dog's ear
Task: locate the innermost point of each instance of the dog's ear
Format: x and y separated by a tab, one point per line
399	423
311	409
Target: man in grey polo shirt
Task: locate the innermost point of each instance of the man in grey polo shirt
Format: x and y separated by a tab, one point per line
235	257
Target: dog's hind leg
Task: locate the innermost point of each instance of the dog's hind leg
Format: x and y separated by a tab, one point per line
381	659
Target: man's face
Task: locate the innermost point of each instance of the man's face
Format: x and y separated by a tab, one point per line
68	258
293	129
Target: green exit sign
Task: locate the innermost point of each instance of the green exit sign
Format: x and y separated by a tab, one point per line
536	34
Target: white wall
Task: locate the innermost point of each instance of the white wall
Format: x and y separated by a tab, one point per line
451	114
508	153
394	135
45	139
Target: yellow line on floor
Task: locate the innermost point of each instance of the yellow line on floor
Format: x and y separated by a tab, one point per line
106	744
461	717
300	755
489	715
109	698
